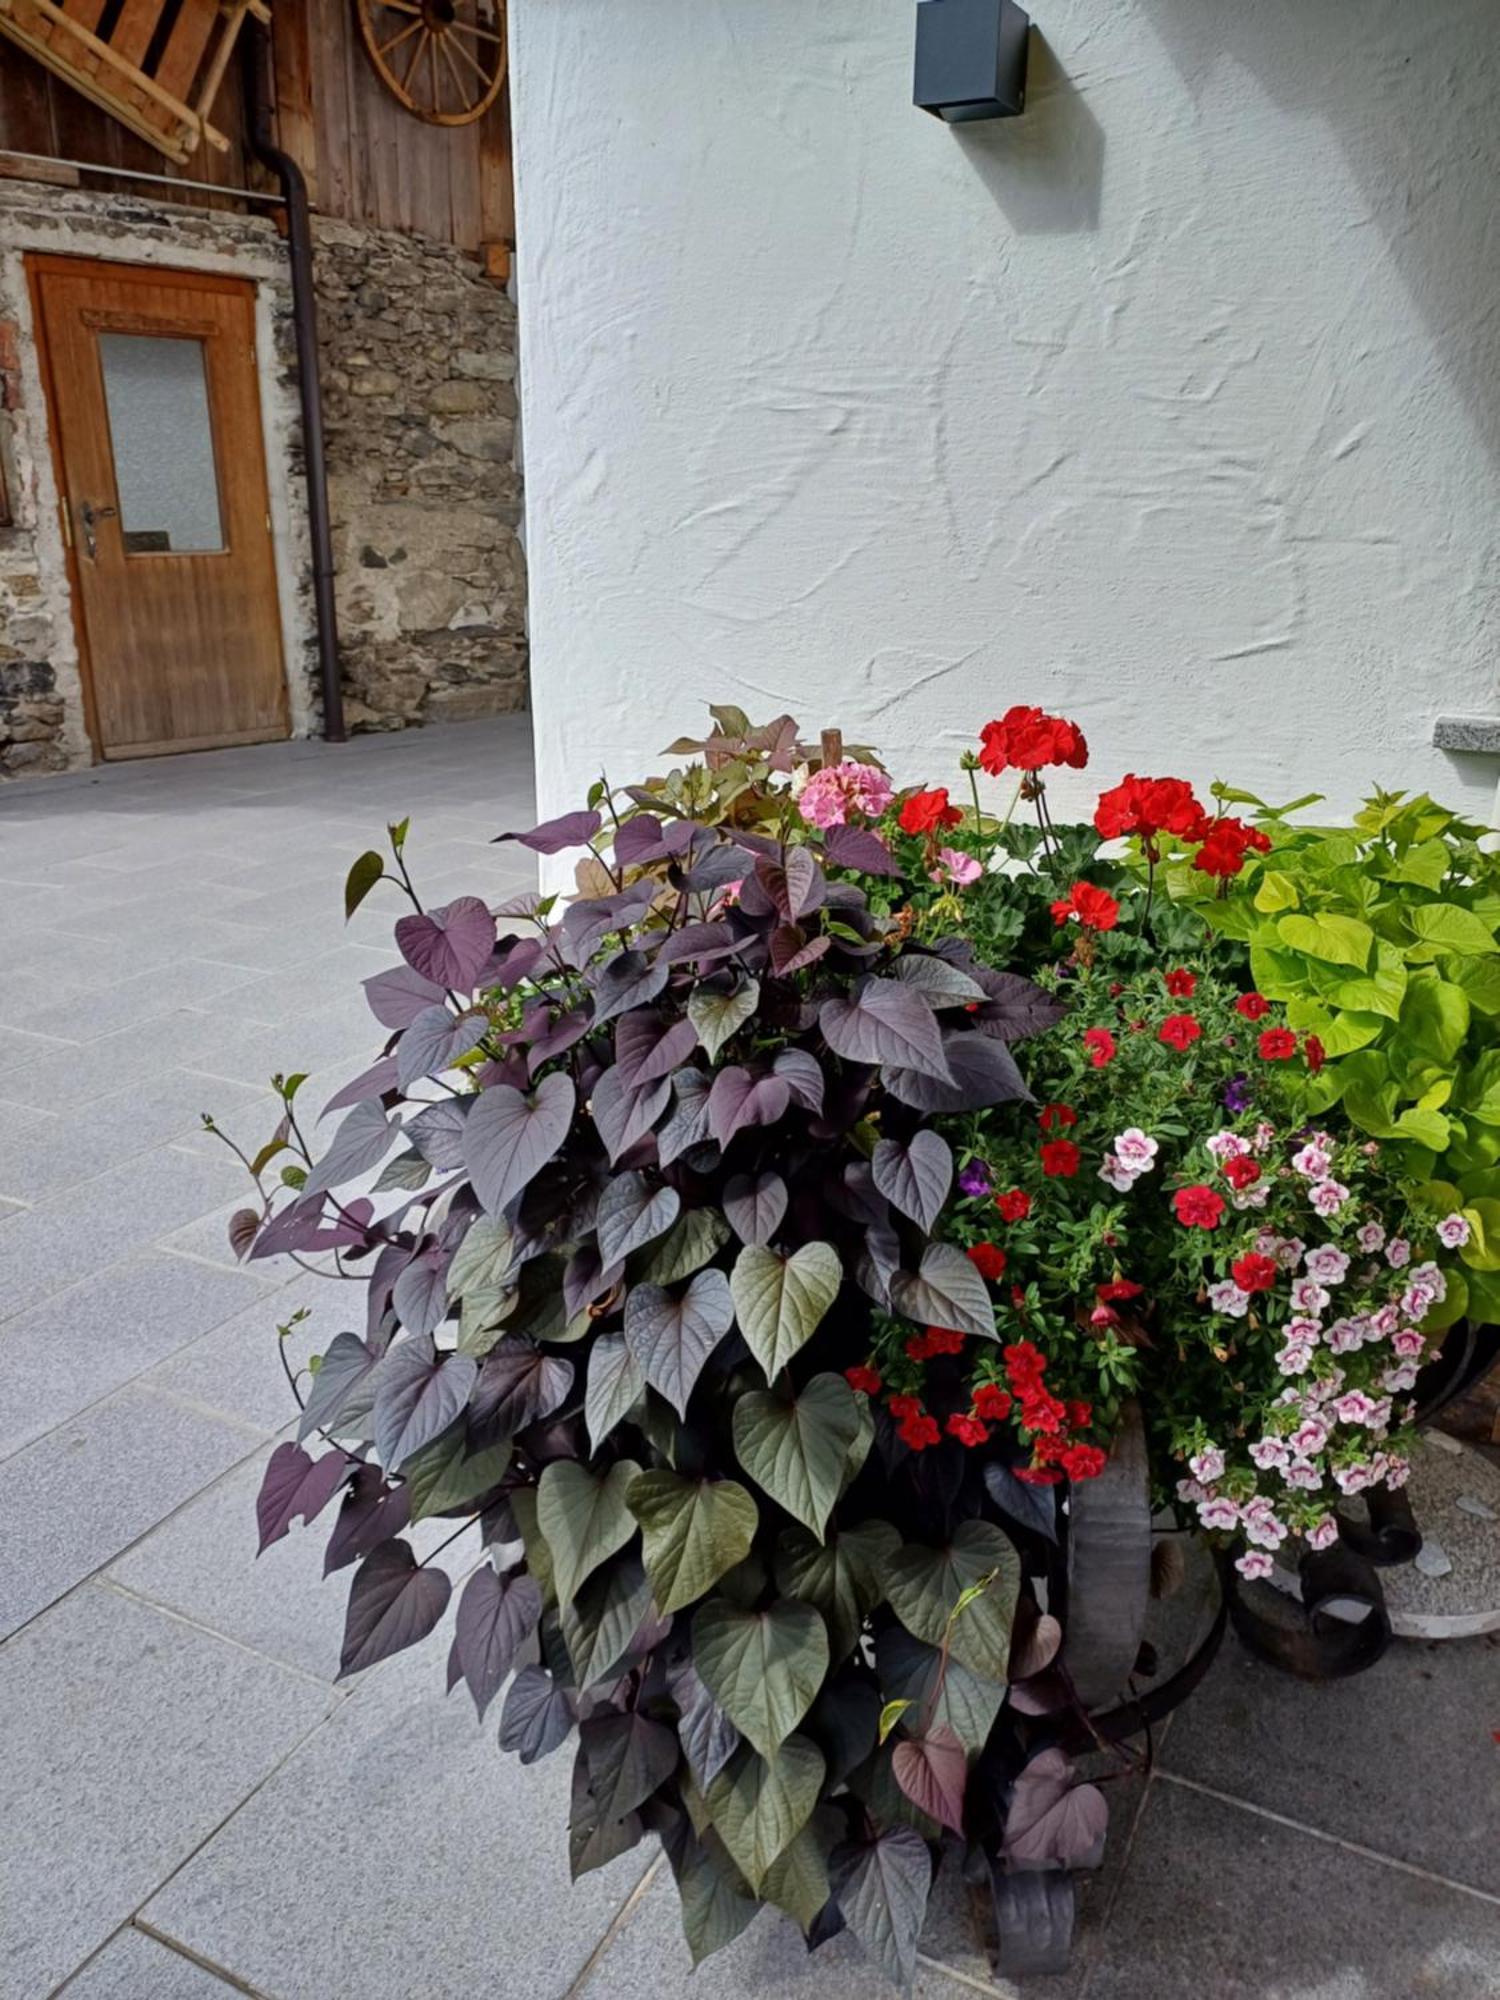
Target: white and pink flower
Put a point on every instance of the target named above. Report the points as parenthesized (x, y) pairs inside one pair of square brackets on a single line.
[(1220, 1512), (1227, 1298), (1371, 1237), (1400, 1378), (1328, 1264), (1328, 1197), (1116, 1174), (1398, 1253), (1295, 1358), (1227, 1146), (1207, 1465), (1355, 1407), (1310, 1436), (957, 869), (1345, 1335), (1254, 1563), (1313, 1162), (1270, 1451), (1302, 1474), (1309, 1297), (1323, 1533), (1136, 1150), (1453, 1231), (1410, 1344)]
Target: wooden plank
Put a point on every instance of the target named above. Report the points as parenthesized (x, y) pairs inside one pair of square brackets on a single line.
[(85, 12), (131, 35), (497, 187), (26, 111), (185, 46), (296, 110)]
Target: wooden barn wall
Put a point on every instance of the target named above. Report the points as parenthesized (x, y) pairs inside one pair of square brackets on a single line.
[(367, 159)]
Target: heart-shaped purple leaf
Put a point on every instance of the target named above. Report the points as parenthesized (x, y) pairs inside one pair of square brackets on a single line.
[(359, 1145), (495, 1614), (625, 1113), (575, 829), (630, 980), (293, 1484), (648, 1048), (671, 1338), (933, 1771), (632, 1212), (450, 945), (855, 847), (915, 1176), (981, 1072), (755, 1206), (372, 1082), (538, 1715), (1016, 1007), (398, 996), (946, 1291), (1054, 1822), (739, 1100), (509, 1136), (885, 1022), (518, 1385), (418, 1393), (802, 1073), (392, 1604), (421, 1292)]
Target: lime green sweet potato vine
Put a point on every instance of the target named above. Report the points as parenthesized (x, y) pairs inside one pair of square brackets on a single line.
[(1380, 939)]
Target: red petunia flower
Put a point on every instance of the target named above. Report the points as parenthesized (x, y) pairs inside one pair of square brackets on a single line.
[(988, 1259), (864, 1378), (1024, 1363), (968, 1430), (1095, 909), (1181, 984), (1014, 1205), (902, 1407), (929, 812), (1242, 1171), (1080, 1415), (1042, 1411), (1315, 1053), (1277, 1045), (1113, 1292), (1100, 1044), (1149, 806), (1083, 1461), (1198, 1207), (1179, 1031), (1254, 1006), (1024, 739), (992, 1402), (1060, 1158), (1254, 1273), (919, 1432), (1054, 1116)]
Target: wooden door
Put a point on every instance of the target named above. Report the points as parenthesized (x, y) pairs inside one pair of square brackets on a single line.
[(155, 406)]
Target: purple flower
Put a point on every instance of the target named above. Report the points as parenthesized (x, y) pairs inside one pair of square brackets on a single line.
[(975, 1179), (1238, 1095)]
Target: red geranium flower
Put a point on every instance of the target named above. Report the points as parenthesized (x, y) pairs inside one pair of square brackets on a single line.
[(919, 1432), (1060, 1158), (1315, 1053), (1181, 984), (1080, 1415), (1037, 1475), (1095, 909), (988, 1260), (1149, 806), (1226, 842), (927, 812), (1015, 1205), (1083, 1461), (1254, 1006), (992, 1402), (1024, 1363), (863, 1378), (1024, 739), (902, 1407), (1277, 1045), (1198, 1207), (1100, 1044), (1054, 1115), (968, 1430), (1254, 1273), (1242, 1171), (1179, 1031)]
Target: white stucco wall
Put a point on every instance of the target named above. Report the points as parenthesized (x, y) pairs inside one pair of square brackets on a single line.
[(1174, 404)]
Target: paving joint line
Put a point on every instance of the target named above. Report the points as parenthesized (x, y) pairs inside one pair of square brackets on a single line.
[(613, 1929), (169, 1943), (144, 1598), (1334, 1840)]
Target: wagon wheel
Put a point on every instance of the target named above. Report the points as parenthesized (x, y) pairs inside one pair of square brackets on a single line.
[(443, 59)]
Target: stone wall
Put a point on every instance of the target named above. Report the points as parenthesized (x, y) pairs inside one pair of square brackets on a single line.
[(419, 363), (419, 366)]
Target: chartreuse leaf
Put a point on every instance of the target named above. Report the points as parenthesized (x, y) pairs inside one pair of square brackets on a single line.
[(1340, 1033), (1379, 991), (695, 1530), (979, 1571), (1326, 935), (1479, 1090), (1482, 1251), (584, 1519), (764, 1668), (779, 1301), (1433, 1022), (842, 1576), (890, 1715), (795, 1447), (1448, 927), (1479, 978), (760, 1804), (1276, 892), (361, 879)]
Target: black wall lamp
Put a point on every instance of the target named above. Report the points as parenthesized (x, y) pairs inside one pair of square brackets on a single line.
[(971, 59)]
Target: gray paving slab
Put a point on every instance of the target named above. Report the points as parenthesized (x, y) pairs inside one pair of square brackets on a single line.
[(78, 1496), (77, 1347), (398, 1853), (76, 1233), (126, 1737), (1219, 1901), (39, 1161), (133, 1966), (1388, 1759), (235, 1368)]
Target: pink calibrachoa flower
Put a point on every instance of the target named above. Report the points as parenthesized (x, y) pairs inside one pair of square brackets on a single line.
[(1305, 1331), (959, 869), (1324, 1386), (1398, 1253), (1345, 1335), (1402, 1377), (1303, 1475), (1432, 1278), (1328, 1264), (1227, 1298), (1410, 1344), (1219, 1512), (1308, 1296), (1397, 1471), (1227, 1145), (1355, 1478), (1114, 1170), (1384, 1321), (1295, 1358), (1454, 1232), (1310, 1436), (1355, 1407), (1312, 1162), (1418, 1299), (1207, 1465), (831, 794), (1323, 1533), (1254, 1563), (1371, 1237), (1135, 1150), (1270, 1451), (1191, 1491), (1262, 1136), (1328, 1197)]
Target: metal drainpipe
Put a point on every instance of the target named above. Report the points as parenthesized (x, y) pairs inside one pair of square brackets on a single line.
[(305, 322)]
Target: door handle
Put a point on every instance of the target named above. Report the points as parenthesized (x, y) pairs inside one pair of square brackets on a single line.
[(88, 513)]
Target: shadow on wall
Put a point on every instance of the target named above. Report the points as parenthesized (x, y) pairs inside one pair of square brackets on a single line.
[(1044, 170), (1409, 93)]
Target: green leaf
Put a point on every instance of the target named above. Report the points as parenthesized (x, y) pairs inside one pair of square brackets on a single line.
[(1448, 927), (1482, 1251), (1479, 1089), (946, 1291), (1379, 991), (843, 1577), (615, 1385), (1425, 864), (1340, 1033), (882, 1886), (538, 1555), (360, 880), (697, 1235), (719, 1016), (444, 1476), (716, 1900), (764, 1668), (1340, 940), (585, 1520), (482, 1262), (926, 1584), (695, 1530), (797, 1880), (948, 1692), (398, 833), (794, 1447), (760, 1804), (1434, 1021), (1276, 892), (1279, 974), (1479, 978), (890, 1715), (601, 1621), (780, 1300)]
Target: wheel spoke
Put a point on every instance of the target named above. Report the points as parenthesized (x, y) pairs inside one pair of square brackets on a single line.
[(411, 67), (396, 40), (474, 64), (465, 101), (400, 6), (480, 34), (437, 95)]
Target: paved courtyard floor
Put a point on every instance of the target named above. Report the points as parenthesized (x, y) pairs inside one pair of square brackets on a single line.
[(189, 1806)]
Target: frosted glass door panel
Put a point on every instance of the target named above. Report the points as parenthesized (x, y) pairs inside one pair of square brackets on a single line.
[(163, 441)]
